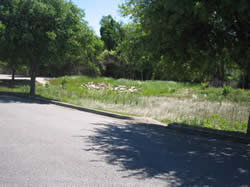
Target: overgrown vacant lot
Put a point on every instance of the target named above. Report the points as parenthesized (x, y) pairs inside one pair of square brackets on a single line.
[(166, 101)]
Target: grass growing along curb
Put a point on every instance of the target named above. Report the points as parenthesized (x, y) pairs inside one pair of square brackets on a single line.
[(21, 89), (72, 90), (212, 122), (166, 101)]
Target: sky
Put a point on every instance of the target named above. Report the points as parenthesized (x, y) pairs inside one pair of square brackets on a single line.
[(96, 9)]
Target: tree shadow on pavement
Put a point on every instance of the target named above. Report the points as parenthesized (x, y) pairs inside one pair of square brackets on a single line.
[(9, 97), (14, 84), (150, 151)]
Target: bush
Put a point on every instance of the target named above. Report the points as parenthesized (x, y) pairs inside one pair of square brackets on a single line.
[(204, 86), (227, 90), (63, 82)]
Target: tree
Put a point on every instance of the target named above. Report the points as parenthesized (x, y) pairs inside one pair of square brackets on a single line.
[(90, 56), (236, 18), (248, 129), (196, 34), (44, 31), (82, 58), (198, 43), (10, 36), (111, 32), (135, 59)]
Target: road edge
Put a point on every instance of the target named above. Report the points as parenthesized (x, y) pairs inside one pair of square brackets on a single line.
[(67, 105), (243, 139)]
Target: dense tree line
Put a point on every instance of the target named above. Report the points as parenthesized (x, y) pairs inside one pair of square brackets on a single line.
[(187, 40), (182, 40), (49, 37)]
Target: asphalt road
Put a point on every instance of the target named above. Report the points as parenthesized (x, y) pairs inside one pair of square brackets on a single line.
[(48, 145)]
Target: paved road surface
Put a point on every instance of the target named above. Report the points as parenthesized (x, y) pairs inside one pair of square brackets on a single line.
[(47, 145)]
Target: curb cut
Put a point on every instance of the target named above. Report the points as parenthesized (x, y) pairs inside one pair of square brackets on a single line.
[(239, 138)]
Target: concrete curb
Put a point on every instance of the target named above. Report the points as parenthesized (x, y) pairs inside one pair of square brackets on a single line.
[(234, 137), (67, 105), (108, 114)]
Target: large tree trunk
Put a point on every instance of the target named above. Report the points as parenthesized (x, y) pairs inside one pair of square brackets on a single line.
[(248, 76), (222, 73), (13, 74), (32, 80)]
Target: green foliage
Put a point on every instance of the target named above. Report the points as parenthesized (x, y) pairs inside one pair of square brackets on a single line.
[(227, 90), (216, 32), (74, 86), (204, 86), (152, 90), (3, 64), (173, 100), (144, 88), (63, 82), (84, 59), (159, 88), (216, 122), (50, 35), (135, 60), (2, 28), (223, 94), (111, 32)]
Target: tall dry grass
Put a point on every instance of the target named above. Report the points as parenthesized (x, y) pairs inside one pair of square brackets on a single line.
[(179, 110)]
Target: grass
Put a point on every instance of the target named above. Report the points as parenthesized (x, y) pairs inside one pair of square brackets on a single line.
[(74, 84), (166, 101), (16, 86)]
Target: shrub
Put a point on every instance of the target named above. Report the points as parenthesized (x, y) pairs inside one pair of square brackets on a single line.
[(204, 86), (227, 90), (63, 82)]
